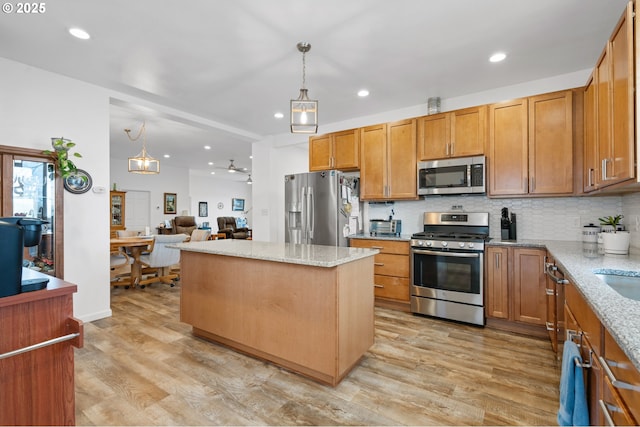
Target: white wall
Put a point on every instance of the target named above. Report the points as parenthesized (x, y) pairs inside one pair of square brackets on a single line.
[(170, 180), (36, 105), (215, 190)]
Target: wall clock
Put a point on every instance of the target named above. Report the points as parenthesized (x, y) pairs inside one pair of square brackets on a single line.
[(78, 183), (220, 205)]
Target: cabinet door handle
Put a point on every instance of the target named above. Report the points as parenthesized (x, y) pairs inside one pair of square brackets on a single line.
[(605, 411), (590, 177), (533, 184), (452, 148), (604, 169), (446, 149), (497, 260), (377, 247), (550, 292), (375, 285), (549, 326), (379, 264), (614, 381)]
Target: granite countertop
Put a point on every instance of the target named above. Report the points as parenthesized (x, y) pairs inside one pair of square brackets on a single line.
[(402, 237), (312, 255), (578, 261)]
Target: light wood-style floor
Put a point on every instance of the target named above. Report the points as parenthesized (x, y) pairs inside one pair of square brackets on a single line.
[(143, 367)]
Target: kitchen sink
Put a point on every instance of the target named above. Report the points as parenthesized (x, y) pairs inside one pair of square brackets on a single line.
[(626, 283)]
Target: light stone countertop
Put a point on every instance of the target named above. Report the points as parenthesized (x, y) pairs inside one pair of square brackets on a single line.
[(620, 315), (402, 237), (312, 255)]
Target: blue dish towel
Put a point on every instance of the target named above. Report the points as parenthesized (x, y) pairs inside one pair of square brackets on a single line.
[(573, 409)]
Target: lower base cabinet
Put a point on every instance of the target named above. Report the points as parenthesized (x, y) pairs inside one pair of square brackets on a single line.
[(515, 289), (391, 270)]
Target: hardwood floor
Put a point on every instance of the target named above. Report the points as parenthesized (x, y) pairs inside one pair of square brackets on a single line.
[(143, 367)]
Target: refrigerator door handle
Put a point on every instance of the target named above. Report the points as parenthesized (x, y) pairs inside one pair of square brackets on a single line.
[(303, 198), (310, 214)]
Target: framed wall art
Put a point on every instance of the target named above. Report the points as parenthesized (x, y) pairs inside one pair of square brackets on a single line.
[(203, 209), (237, 204), (170, 203)]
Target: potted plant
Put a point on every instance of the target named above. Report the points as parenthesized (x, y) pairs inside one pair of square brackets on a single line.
[(60, 155), (614, 241)]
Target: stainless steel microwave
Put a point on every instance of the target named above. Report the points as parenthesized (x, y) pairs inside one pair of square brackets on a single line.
[(464, 175)]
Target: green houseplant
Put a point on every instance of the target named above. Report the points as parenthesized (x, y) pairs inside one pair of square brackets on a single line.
[(613, 221), (61, 154)]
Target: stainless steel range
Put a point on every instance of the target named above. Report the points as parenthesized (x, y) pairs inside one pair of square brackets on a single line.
[(447, 262)]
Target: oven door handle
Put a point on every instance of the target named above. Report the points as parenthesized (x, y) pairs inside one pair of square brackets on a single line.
[(446, 253)]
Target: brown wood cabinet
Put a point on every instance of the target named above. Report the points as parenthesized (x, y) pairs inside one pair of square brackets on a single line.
[(585, 329), (531, 146), (621, 389), (497, 282), (338, 150), (388, 161), (609, 147), (515, 289), (116, 211), (37, 386), (390, 268), (453, 134)]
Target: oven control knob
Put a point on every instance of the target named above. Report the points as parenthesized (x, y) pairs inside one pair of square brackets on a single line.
[(429, 243), (420, 243), (471, 245), (444, 244), (461, 244)]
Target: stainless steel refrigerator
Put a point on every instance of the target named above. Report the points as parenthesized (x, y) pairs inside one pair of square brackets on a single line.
[(317, 208)]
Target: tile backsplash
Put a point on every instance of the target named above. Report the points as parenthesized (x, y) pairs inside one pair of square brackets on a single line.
[(557, 218)]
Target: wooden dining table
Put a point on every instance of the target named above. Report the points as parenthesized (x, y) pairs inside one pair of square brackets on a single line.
[(134, 247)]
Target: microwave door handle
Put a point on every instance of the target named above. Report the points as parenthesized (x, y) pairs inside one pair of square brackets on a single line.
[(449, 254)]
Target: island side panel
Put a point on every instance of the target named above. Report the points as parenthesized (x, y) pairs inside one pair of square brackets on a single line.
[(284, 310), (355, 312)]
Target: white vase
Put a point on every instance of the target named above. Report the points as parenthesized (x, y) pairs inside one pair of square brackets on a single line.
[(616, 243)]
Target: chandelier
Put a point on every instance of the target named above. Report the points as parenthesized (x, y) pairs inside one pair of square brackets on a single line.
[(304, 111), (143, 163)]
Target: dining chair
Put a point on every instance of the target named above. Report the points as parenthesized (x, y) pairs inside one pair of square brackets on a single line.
[(199, 235), (157, 264), (120, 269)]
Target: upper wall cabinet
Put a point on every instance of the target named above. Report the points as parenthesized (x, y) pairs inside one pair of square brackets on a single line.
[(609, 152), (454, 134), (531, 146), (338, 150), (388, 163)]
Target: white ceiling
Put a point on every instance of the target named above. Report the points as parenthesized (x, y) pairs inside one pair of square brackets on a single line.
[(220, 69)]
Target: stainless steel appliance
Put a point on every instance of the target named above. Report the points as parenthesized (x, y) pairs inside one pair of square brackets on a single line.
[(447, 266), (317, 208), (463, 175), (384, 227)]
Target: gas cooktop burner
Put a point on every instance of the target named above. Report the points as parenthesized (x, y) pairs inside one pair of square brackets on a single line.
[(450, 236)]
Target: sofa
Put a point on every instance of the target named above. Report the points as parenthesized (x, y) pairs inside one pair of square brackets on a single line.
[(227, 225)]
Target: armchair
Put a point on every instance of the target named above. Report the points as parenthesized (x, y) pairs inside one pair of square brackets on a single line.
[(227, 225), (184, 225), (160, 260)]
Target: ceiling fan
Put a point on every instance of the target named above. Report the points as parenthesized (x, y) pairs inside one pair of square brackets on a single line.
[(233, 168)]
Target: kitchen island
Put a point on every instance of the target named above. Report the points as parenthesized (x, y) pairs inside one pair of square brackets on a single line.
[(307, 308)]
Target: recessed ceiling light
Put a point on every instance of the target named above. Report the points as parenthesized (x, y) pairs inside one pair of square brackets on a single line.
[(497, 57), (362, 93), (207, 147), (278, 115), (210, 163), (251, 157), (166, 156), (79, 33), (213, 173)]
